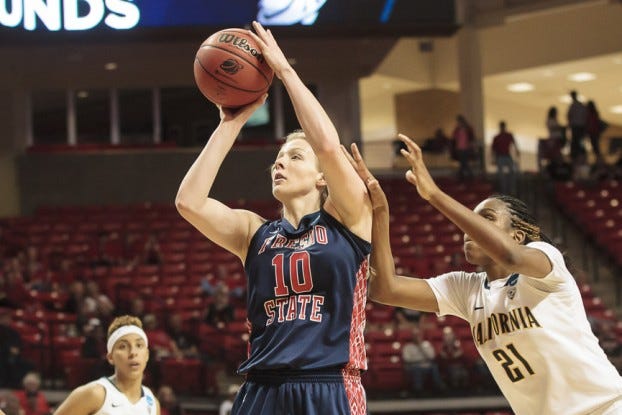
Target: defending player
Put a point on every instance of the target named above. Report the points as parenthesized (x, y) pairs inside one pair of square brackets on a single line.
[(122, 393), (525, 309), (306, 271)]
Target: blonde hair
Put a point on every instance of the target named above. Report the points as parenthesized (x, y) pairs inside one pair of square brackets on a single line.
[(124, 321)]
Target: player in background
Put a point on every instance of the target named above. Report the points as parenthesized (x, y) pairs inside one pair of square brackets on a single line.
[(122, 393), (306, 271), (525, 309)]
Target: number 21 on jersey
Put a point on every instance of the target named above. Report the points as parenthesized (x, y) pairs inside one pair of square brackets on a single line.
[(513, 362)]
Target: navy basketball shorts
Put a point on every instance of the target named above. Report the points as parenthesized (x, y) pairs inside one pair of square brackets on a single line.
[(303, 392)]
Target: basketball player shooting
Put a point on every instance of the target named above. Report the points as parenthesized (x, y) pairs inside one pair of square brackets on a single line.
[(306, 271)]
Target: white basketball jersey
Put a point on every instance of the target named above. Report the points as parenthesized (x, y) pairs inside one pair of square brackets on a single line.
[(535, 338), (116, 403)]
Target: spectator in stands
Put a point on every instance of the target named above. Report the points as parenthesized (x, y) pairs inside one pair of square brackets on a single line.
[(97, 304), (419, 359), (160, 343), (406, 318), (319, 335), (169, 405), (31, 399), (33, 266), (208, 284), (76, 298), (13, 366), (13, 286), (550, 149), (94, 347), (557, 132), (123, 393), (185, 341), (151, 254), (524, 274), (451, 360), (503, 145), (594, 127), (577, 118), (220, 311), (463, 147), (137, 307), (438, 144)]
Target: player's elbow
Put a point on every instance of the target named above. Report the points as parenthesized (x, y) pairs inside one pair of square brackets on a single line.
[(180, 204), (328, 146), (381, 291), (183, 205)]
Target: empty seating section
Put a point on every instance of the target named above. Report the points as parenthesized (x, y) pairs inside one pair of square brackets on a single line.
[(596, 208), (107, 244)]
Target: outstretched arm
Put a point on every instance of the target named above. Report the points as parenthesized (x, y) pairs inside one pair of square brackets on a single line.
[(229, 228), (385, 286), (498, 245), (346, 191)]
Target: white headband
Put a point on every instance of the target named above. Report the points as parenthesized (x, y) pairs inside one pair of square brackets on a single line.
[(122, 331)]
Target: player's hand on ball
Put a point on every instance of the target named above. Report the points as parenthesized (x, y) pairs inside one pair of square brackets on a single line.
[(418, 174), (243, 113), (270, 49)]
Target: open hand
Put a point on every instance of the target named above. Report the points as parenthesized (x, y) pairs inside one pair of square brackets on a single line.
[(418, 174)]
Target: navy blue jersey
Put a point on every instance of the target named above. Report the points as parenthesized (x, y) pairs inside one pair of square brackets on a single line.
[(307, 289)]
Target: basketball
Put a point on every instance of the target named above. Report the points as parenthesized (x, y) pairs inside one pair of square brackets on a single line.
[(229, 69)]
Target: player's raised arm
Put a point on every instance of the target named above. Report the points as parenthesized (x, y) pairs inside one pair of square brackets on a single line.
[(347, 195), (229, 228), (385, 286), (508, 251)]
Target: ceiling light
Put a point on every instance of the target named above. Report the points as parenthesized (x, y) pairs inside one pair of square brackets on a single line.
[(616, 109), (110, 66), (520, 87), (582, 77)]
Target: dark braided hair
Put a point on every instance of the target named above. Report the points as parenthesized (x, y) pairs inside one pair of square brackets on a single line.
[(523, 219)]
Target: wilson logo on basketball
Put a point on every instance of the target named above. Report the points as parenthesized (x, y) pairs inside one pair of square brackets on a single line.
[(240, 43), (231, 66)]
